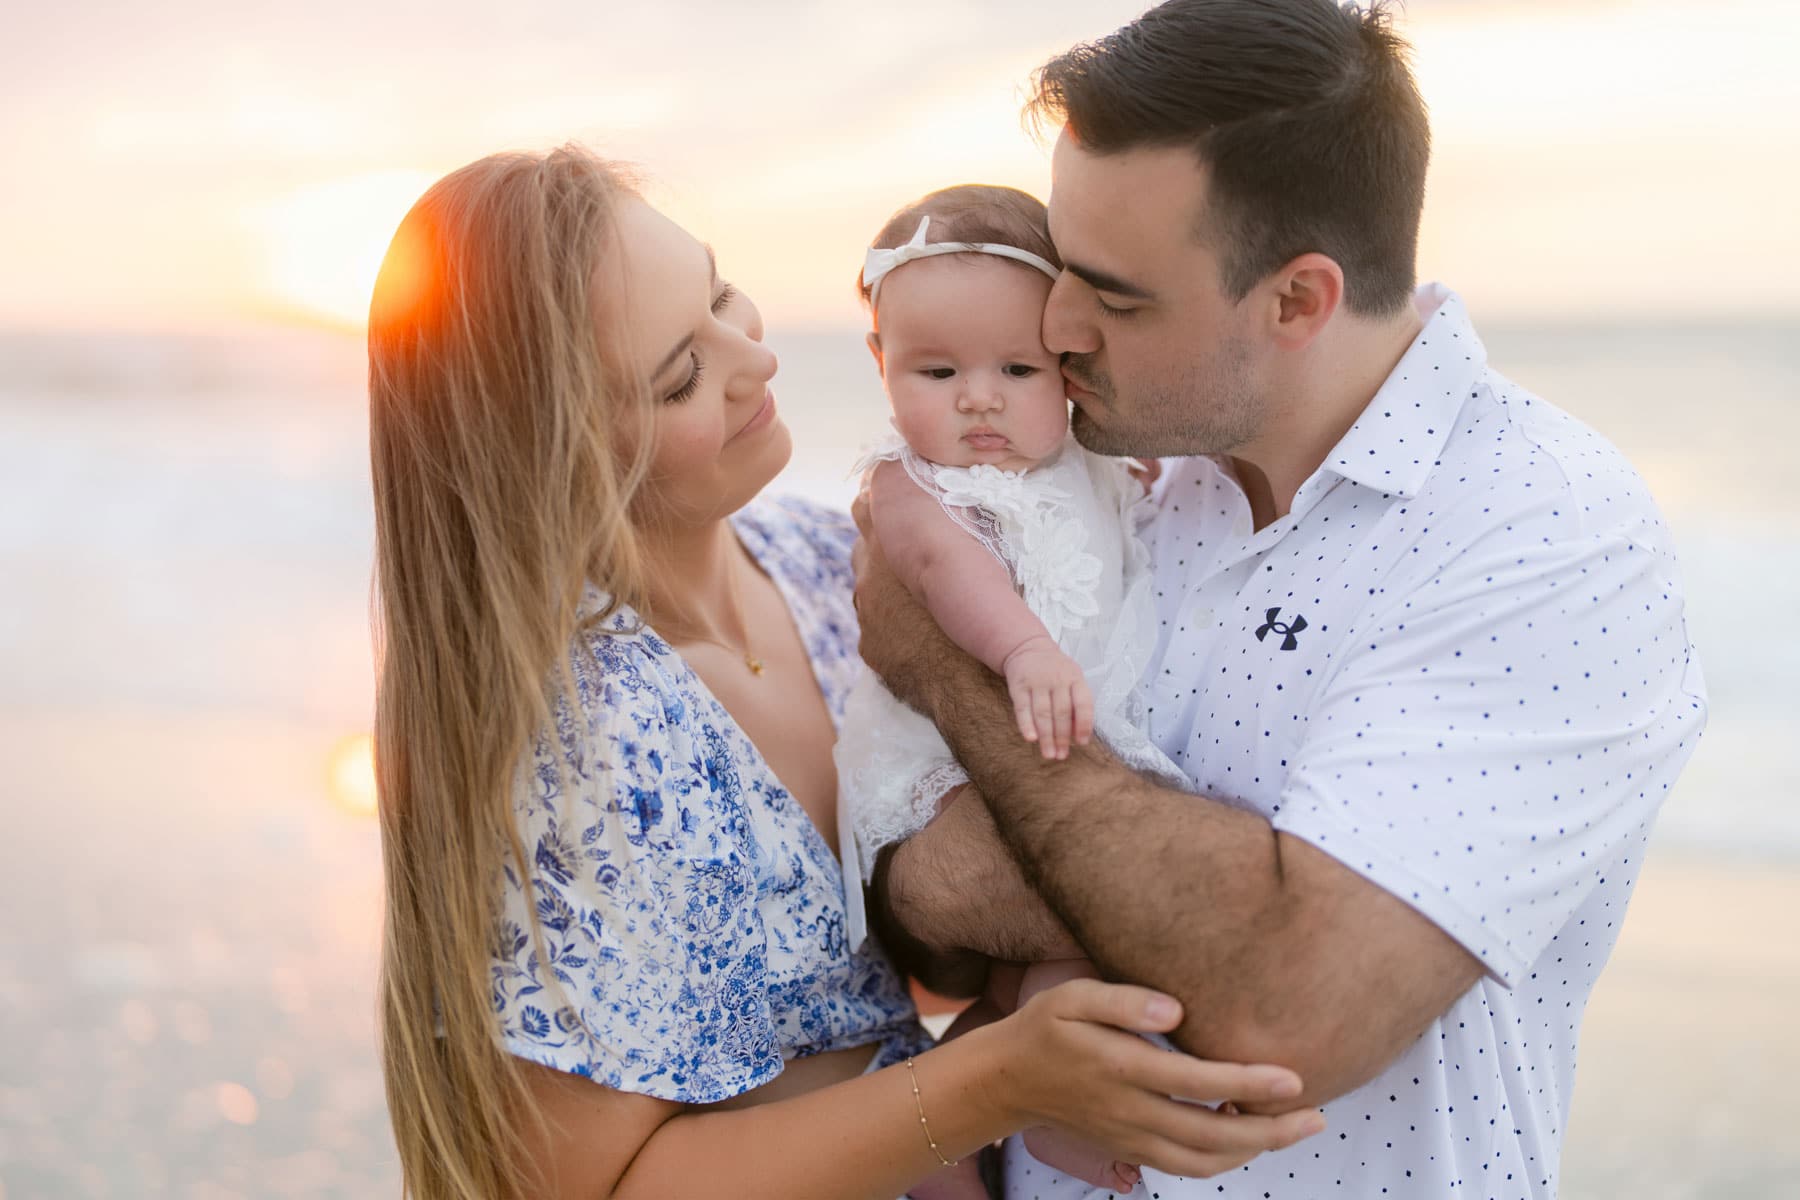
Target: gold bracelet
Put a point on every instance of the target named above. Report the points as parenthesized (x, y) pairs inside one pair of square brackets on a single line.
[(920, 1105)]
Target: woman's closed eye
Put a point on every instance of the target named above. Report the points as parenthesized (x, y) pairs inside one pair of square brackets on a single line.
[(720, 303)]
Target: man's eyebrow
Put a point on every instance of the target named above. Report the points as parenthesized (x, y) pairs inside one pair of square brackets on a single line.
[(1100, 281), (712, 267)]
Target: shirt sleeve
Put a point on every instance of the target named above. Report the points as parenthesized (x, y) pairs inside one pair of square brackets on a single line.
[(653, 973), (1495, 739)]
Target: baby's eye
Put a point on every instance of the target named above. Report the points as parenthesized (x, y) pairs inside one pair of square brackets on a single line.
[(939, 372), (1020, 370)]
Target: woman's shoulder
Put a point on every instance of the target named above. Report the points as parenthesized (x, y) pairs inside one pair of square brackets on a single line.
[(810, 541)]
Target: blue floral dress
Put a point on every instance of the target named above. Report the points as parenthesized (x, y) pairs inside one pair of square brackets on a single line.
[(692, 912)]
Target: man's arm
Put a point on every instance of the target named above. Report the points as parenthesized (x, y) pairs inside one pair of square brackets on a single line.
[(1278, 952), (963, 874)]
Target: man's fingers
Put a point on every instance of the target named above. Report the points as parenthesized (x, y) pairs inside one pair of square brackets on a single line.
[(859, 512)]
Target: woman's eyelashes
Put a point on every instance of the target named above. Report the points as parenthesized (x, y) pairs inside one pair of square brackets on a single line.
[(692, 385), (726, 295)]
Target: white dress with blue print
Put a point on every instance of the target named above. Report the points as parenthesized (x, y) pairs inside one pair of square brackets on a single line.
[(692, 912)]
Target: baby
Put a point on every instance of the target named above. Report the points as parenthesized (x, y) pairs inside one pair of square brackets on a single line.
[(1019, 542)]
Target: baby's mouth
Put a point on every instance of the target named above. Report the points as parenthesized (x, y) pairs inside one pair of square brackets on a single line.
[(983, 437)]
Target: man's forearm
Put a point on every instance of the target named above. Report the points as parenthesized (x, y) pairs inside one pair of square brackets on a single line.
[(1205, 901), (1278, 952), (952, 897)]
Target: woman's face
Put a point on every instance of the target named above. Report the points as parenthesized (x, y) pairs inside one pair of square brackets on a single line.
[(698, 342)]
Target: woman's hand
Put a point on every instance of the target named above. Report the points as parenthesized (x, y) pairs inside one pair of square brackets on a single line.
[(1073, 1060)]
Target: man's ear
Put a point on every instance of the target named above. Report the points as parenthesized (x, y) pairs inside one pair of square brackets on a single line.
[(874, 341), (1308, 291)]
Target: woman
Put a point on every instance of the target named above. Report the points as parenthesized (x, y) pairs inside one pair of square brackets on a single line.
[(614, 962)]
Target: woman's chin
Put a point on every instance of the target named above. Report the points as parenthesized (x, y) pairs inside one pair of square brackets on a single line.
[(765, 463)]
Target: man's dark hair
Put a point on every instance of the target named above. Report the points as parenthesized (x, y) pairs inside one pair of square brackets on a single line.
[(1304, 113)]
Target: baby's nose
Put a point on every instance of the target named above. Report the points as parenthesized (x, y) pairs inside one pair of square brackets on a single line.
[(980, 396)]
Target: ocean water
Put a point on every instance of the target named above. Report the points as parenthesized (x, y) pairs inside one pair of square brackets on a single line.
[(185, 540)]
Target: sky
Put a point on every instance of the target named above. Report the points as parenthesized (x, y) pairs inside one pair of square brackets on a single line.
[(201, 162)]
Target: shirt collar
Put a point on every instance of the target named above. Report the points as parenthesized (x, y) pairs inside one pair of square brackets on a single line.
[(1395, 442)]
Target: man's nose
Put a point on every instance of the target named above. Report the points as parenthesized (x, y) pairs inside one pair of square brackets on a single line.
[(1067, 330)]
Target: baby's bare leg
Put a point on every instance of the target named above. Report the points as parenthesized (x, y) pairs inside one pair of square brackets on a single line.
[(1067, 1153)]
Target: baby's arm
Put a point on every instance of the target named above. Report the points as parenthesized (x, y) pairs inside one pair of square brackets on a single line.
[(970, 594)]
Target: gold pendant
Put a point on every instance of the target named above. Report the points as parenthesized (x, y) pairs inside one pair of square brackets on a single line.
[(754, 663)]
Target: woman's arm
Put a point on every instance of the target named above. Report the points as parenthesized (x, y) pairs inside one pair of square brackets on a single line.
[(1065, 1058)]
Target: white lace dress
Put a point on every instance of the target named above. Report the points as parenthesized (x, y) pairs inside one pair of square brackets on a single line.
[(1067, 532)]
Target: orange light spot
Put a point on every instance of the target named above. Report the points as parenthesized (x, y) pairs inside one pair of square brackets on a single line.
[(236, 1103), (352, 774)]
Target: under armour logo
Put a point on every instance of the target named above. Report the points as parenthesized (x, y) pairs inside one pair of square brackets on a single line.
[(1287, 629)]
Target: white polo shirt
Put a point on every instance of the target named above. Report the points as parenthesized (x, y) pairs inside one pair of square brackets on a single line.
[(1460, 666)]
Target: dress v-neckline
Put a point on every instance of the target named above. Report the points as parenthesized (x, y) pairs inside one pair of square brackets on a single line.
[(785, 800)]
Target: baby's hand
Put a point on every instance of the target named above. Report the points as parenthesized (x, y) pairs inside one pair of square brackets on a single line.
[(1050, 696)]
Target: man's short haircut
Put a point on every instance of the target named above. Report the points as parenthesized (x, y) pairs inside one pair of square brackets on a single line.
[(1304, 113), (973, 212)]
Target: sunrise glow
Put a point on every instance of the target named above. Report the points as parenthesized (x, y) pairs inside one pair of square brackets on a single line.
[(351, 771), (324, 243)]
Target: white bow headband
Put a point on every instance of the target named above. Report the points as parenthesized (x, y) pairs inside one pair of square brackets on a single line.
[(879, 262)]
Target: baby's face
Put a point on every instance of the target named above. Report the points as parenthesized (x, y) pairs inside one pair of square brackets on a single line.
[(964, 362)]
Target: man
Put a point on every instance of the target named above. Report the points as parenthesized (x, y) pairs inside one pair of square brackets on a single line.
[(1422, 648)]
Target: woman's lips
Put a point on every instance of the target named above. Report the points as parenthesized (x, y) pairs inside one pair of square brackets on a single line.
[(763, 416)]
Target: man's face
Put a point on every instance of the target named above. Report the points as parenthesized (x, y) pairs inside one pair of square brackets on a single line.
[(1160, 361)]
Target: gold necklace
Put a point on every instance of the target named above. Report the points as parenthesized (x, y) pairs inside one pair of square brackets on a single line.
[(749, 656), (750, 659)]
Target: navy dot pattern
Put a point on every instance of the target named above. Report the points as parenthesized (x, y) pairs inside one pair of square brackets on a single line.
[(1474, 687)]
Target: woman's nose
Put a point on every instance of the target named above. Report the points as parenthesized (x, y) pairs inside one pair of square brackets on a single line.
[(756, 365)]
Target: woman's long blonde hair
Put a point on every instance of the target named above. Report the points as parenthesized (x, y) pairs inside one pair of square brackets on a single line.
[(506, 448)]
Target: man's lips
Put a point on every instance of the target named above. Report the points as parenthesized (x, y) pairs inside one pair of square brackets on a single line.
[(1076, 389)]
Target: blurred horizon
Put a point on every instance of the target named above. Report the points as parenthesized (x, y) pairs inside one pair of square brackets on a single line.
[(1594, 160)]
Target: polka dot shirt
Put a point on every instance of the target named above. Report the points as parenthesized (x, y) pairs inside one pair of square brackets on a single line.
[(1460, 666)]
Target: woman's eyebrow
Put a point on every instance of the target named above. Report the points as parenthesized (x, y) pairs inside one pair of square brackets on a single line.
[(680, 348), (669, 358)]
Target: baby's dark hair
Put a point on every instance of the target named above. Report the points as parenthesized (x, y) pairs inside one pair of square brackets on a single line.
[(972, 212)]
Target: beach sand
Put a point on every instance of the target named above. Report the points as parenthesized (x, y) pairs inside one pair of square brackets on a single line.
[(188, 965)]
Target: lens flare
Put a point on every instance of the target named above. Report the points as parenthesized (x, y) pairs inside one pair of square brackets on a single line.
[(352, 773)]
